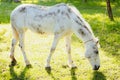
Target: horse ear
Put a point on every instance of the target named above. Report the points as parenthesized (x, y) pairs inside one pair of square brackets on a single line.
[(97, 42)]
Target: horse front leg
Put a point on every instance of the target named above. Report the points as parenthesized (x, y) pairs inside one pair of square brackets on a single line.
[(68, 48), (52, 50)]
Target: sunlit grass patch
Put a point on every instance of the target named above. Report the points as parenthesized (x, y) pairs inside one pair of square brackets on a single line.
[(29, 1), (5, 37)]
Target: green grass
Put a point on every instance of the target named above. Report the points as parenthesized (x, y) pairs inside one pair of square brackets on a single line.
[(38, 47), (37, 50)]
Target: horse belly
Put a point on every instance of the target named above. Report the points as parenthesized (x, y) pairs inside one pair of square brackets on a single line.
[(45, 25)]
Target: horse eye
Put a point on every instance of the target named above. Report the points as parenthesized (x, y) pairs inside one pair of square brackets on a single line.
[(96, 52)]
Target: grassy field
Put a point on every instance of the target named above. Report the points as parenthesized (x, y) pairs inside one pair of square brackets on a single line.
[(95, 13)]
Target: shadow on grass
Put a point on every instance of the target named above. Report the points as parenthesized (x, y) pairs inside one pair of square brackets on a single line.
[(14, 75), (98, 76), (73, 75), (72, 71)]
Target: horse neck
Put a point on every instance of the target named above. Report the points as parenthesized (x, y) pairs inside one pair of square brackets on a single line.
[(88, 38), (85, 35), (89, 41)]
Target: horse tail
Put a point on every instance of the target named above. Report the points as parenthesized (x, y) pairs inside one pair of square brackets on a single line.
[(15, 33)]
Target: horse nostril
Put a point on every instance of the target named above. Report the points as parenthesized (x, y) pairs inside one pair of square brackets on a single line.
[(96, 67)]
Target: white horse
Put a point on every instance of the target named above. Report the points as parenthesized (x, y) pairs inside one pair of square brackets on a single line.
[(60, 20)]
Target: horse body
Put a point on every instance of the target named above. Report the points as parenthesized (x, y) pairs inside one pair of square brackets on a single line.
[(42, 19), (60, 20)]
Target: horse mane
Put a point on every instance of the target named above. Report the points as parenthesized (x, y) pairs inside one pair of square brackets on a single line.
[(77, 13)]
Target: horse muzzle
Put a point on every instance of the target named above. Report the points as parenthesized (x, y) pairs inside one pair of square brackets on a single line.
[(96, 67)]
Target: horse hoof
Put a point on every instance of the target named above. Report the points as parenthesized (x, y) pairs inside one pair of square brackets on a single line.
[(13, 63), (29, 66), (75, 67), (48, 69)]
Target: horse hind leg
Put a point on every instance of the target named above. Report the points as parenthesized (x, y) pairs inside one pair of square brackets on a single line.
[(14, 42), (21, 45)]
